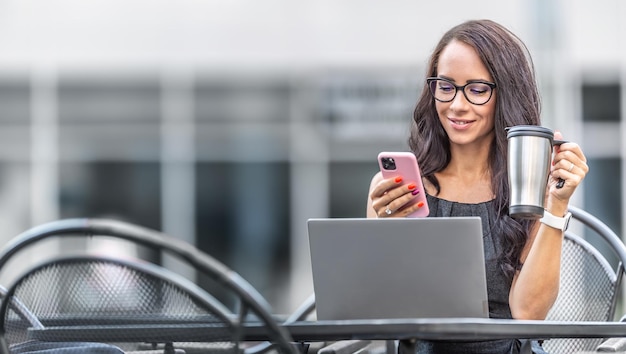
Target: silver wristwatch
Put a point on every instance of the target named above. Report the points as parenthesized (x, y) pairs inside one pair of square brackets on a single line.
[(555, 221)]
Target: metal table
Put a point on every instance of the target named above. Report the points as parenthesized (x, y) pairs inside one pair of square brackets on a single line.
[(454, 329)]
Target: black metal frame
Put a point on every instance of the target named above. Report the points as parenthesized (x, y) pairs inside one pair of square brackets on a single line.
[(250, 298)]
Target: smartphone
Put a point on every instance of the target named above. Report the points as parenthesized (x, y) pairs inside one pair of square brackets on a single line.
[(394, 164)]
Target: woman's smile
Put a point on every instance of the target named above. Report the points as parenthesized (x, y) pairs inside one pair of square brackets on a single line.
[(460, 123)]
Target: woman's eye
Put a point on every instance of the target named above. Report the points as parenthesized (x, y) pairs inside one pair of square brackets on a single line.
[(478, 90), (446, 88)]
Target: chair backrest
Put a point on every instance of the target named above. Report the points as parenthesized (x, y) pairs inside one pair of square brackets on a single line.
[(92, 298), (589, 287), (251, 307)]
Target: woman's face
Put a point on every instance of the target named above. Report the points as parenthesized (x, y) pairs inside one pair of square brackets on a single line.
[(465, 123)]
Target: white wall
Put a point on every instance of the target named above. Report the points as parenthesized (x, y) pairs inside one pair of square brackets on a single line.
[(280, 34)]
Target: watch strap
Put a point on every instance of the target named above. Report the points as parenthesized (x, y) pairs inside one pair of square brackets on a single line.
[(555, 221)]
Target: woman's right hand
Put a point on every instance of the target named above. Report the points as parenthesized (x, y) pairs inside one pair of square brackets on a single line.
[(391, 197)]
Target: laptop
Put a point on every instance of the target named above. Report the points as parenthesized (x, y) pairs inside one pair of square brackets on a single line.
[(398, 268)]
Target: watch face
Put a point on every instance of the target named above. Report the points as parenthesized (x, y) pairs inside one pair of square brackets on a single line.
[(567, 218)]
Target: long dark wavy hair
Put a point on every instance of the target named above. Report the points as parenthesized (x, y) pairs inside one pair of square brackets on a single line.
[(517, 102)]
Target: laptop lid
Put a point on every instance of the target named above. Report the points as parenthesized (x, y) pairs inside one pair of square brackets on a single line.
[(398, 267)]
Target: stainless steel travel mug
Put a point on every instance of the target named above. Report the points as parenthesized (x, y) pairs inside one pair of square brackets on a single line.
[(529, 158)]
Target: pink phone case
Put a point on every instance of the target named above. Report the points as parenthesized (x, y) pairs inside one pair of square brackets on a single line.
[(394, 164)]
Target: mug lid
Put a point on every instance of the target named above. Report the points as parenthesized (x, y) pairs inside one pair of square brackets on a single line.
[(529, 130)]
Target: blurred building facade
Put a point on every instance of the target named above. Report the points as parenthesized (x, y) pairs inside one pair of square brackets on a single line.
[(229, 124)]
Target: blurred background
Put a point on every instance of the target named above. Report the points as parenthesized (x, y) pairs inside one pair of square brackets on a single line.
[(230, 123)]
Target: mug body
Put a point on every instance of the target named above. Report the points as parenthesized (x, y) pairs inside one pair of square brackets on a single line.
[(529, 158)]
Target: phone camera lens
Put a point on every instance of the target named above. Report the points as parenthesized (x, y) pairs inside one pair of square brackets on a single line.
[(388, 163)]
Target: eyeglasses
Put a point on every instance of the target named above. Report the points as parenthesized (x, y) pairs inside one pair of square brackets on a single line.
[(476, 92)]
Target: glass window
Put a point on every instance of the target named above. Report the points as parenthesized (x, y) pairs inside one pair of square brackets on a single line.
[(603, 193), (243, 220), (349, 187), (126, 191), (361, 98), (601, 102), (120, 101), (16, 189), (248, 101), (15, 112), (115, 120), (129, 191), (15, 101)]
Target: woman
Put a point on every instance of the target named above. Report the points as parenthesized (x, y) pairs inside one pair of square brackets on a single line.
[(480, 81)]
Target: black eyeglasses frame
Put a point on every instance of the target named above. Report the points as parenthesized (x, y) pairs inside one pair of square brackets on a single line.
[(492, 85)]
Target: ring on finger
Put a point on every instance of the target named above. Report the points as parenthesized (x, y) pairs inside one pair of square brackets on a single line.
[(571, 168), (388, 211)]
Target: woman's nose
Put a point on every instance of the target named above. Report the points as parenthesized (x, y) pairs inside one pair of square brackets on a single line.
[(459, 102)]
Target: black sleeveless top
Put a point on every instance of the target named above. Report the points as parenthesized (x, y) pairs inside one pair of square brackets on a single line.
[(498, 284)]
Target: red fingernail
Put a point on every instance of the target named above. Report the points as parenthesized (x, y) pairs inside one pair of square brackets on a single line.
[(398, 179), (416, 192), (420, 204), (411, 186)]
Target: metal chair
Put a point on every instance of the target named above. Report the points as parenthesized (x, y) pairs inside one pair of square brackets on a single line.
[(118, 293), (305, 310), (590, 286), (79, 299)]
